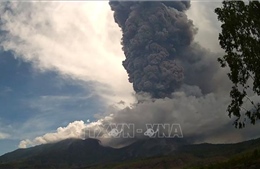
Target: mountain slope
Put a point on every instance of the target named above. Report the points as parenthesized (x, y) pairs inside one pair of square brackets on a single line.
[(69, 152), (75, 153)]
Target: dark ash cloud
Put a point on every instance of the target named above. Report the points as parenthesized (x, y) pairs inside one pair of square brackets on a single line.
[(157, 40)]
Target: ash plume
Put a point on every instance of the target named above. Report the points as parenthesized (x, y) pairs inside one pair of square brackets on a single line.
[(155, 36)]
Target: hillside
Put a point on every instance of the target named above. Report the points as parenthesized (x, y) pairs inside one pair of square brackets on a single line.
[(150, 153)]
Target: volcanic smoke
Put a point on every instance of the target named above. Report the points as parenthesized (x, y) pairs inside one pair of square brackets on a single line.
[(155, 35)]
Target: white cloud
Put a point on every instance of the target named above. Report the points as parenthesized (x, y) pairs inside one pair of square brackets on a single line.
[(204, 18), (4, 136), (77, 39), (73, 130)]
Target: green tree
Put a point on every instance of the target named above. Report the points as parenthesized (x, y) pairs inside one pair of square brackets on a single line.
[(240, 38)]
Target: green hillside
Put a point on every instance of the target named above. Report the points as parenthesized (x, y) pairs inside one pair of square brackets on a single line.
[(88, 154)]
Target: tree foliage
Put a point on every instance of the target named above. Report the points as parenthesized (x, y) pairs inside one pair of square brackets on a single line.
[(240, 38)]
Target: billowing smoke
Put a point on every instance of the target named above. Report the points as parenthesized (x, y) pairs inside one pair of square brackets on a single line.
[(157, 43)]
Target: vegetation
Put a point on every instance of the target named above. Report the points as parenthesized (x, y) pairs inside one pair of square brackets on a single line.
[(198, 156), (240, 38)]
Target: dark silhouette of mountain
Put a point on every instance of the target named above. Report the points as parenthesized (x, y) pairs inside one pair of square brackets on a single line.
[(77, 152), (89, 153)]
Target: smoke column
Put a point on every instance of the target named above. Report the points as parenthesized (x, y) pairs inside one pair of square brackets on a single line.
[(155, 35)]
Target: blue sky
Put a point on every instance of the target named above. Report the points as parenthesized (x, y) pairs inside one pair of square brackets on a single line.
[(33, 102)]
